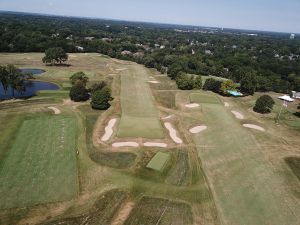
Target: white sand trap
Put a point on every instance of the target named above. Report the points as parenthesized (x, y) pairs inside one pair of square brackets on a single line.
[(125, 144), (252, 126), (172, 133), (198, 129), (193, 105), (109, 130), (153, 81), (226, 104), (55, 110), (238, 115), (121, 69), (155, 144), (167, 117)]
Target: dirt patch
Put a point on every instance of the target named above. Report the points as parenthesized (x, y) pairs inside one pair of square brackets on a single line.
[(125, 144), (226, 104), (123, 214), (167, 117), (153, 81), (173, 133), (55, 110), (252, 126), (109, 130), (193, 105), (238, 115), (122, 69), (155, 144), (197, 129)]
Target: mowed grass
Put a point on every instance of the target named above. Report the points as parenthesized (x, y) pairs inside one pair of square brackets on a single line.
[(41, 164), (139, 114), (160, 211), (204, 98), (246, 187), (159, 161)]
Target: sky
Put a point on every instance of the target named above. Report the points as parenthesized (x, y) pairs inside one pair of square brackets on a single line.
[(267, 15)]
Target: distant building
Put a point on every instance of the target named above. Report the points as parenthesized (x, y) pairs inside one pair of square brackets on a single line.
[(162, 47), (138, 55), (193, 52), (296, 95), (79, 48), (208, 52), (292, 36), (125, 52), (107, 39), (89, 38)]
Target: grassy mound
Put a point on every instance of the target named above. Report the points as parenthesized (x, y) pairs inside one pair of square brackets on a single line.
[(204, 98), (294, 164)]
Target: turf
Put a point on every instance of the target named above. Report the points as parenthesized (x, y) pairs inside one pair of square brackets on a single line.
[(139, 114), (160, 211), (204, 98), (159, 161), (41, 164), (247, 189), (294, 164)]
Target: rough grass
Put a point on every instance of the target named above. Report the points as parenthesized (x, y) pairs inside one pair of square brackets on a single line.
[(165, 98), (247, 189), (160, 211), (139, 114), (294, 164), (159, 161), (41, 164), (102, 211)]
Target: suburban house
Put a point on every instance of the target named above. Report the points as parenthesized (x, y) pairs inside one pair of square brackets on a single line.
[(296, 95), (286, 98)]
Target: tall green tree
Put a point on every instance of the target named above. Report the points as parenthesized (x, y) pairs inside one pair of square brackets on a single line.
[(55, 55), (4, 78), (249, 83), (79, 92), (264, 104), (100, 99), (81, 76)]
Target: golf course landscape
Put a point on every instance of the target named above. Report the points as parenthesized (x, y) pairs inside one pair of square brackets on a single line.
[(158, 155)]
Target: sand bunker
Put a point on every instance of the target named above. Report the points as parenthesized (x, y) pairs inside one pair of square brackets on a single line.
[(125, 144), (172, 133), (194, 105), (155, 144), (167, 117), (226, 104), (252, 126), (153, 82), (109, 130), (238, 115), (55, 110), (198, 129)]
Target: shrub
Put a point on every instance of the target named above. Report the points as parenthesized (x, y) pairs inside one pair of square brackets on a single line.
[(79, 76), (198, 82), (184, 82), (98, 86), (227, 85), (79, 92), (212, 85), (264, 104), (101, 98)]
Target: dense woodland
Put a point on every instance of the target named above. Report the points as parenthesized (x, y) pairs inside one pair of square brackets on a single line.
[(270, 60)]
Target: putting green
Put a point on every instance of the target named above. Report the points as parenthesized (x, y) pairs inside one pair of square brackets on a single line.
[(159, 161), (204, 98), (41, 164), (139, 114)]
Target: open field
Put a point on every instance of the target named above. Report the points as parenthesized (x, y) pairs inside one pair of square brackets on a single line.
[(41, 164), (227, 174), (139, 114), (247, 190)]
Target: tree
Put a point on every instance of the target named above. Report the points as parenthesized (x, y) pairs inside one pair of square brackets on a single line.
[(4, 78), (79, 76), (185, 82), (174, 70), (249, 83), (228, 85), (198, 82), (79, 92), (55, 55), (101, 98), (264, 104), (98, 86), (212, 85)]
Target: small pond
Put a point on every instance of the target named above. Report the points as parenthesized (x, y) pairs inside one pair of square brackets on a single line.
[(31, 88), (33, 71)]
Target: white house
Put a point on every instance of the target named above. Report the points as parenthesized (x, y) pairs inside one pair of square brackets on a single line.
[(296, 95), (286, 98), (79, 48)]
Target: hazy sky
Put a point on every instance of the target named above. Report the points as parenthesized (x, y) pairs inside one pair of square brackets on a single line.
[(272, 15)]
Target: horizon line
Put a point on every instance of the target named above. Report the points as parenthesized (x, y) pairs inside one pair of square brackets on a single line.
[(149, 22)]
